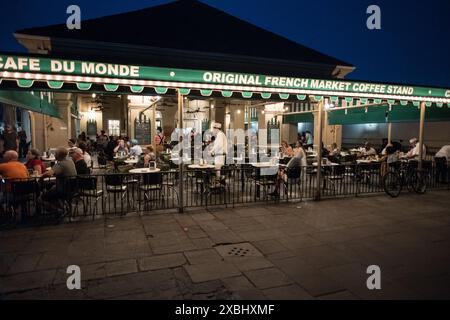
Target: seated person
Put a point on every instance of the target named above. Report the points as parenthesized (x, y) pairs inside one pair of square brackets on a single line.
[(86, 156), (368, 150), (62, 169), (335, 151), (442, 158), (136, 149), (444, 152), (293, 168), (149, 155), (286, 149), (34, 161), (12, 168), (80, 165), (413, 153), (389, 158), (121, 149), (71, 143)]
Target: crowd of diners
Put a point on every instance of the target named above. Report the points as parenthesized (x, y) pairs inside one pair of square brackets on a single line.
[(75, 158)]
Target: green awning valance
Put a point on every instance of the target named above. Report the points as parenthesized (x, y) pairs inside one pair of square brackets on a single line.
[(299, 118), (411, 113), (29, 101), (376, 114)]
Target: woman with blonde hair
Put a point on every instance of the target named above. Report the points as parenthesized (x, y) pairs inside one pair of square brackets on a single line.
[(149, 155), (286, 149)]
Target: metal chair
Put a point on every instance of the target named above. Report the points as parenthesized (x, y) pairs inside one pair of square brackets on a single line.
[(115, 186), (88, 191)]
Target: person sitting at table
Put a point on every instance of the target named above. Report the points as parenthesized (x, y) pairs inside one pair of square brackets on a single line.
[(71, 143), (34, 161), (368, 150), (442, 157), (80, 165), (86, 156), (335, 151), (149, 155), (389, 159), (121, 149), (413, 153), (63, 168), (292, 169), (12, 168), (136, 149), (286, 149)]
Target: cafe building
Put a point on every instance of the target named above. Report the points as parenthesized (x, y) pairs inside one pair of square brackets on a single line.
[(187, 65)]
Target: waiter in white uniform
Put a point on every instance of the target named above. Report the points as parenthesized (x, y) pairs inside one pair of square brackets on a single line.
[(220, 147)]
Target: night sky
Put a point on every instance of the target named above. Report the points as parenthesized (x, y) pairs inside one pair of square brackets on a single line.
[(413, 46)]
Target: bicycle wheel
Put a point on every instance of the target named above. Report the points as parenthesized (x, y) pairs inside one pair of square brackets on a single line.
[(418, 182), (392, 184)]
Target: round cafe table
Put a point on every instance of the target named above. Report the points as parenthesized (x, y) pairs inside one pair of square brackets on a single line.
[(145, 170), (131, 161), (198, 166)]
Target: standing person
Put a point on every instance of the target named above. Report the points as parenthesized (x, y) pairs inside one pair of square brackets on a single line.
[(22, 143), (102, 140), (159, 140), (220, 147), (10, 139), (109, 149), (309, 139)]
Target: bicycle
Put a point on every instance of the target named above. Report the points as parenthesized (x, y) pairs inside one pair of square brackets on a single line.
[(407, 174)]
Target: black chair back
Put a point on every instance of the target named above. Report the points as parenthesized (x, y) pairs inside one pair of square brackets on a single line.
[(114, 179), (152, 179)]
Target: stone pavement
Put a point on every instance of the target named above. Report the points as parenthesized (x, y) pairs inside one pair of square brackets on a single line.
[(307, 250)]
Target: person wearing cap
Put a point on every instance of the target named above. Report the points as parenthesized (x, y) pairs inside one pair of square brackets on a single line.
[(80, 165), (413, 153), (219, 148), (135, 150)]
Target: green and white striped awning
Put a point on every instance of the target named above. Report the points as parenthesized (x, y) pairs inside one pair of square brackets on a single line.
[(46, 73)]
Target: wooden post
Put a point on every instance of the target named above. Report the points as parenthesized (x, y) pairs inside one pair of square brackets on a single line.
[(319, 150), (421, 132), (389, 132), (180, 165)]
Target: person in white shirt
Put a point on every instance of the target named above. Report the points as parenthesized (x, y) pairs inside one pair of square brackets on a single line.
[(444, 152), (413, 153), (86, 156), (219, 148), (368, 150), (136, 149), (442, 158)]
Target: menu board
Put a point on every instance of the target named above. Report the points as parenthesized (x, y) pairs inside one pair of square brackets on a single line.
[(142, 132), (91, 128)]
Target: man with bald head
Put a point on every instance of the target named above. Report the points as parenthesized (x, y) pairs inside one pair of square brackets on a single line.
[(12, 168)]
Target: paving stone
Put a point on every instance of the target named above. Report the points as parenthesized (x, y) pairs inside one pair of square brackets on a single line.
[(88, 272), (121, 267), (161, 261), (299, 242), (269, 246), (340, 295), (237, 283), (211, 271), (203, 256), (26, 281), (203, 243), (291, 292), (24, 263), (267, 278), (249, 263)]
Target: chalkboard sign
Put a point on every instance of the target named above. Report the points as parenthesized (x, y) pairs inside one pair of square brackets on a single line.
[(142, 131), (91, 128)]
